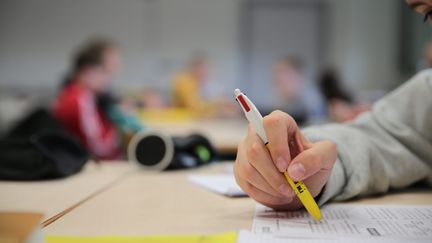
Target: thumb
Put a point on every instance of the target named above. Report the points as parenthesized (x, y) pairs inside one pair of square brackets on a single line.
[(320, 156)]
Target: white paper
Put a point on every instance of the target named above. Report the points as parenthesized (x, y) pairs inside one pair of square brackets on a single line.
[(224, 184), (340, 221), (245, 236)]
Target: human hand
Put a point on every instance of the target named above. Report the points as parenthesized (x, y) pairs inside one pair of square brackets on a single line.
[(258, 169)]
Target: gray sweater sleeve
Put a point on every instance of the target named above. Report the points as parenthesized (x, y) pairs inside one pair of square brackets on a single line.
[(388, 147)]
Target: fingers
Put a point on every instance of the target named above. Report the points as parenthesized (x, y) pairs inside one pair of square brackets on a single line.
[(259, 158), (245, 171), (321, 156), (262, 196), (251, 175), (254, 184), (284, 137), (276, 129), (248, 173)]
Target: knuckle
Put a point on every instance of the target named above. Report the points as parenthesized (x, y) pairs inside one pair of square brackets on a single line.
[(290, 119), (251, 152), (273, 119), (282, 115), (278, 113), (254, 150)]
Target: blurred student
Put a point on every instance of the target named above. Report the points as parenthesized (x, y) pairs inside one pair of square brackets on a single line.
[(341, 105), (83, 105), (295, 94), (188, 91), (188, 84), (389, 147)]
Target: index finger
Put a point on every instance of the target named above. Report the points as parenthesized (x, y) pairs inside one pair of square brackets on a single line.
[(283, 137)]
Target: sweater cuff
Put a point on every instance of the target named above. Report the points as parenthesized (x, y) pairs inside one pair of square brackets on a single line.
[(338, 179), (335, 183)]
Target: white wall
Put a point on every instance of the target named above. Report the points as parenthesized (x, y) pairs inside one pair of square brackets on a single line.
[(211, 26), (157, 36), (37, 37), (362, 42)]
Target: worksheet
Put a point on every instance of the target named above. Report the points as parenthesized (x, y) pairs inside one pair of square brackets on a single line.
[(348, 221), (245, 236)]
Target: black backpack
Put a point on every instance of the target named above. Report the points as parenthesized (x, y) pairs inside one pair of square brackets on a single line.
[(39, 148)]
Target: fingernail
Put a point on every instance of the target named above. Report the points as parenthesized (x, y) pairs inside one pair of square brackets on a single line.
[(296, 171), (285, 190), (281, 164)]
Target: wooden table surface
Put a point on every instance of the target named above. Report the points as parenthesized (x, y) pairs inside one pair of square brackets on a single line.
[(167, 203), (52, 197), (157, 203), (119, 199)]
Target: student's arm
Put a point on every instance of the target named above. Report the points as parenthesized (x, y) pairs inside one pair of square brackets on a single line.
[(388, 147), (102, 144)]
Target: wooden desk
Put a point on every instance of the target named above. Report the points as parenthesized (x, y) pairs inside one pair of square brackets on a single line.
[(157, 203), (54, 196), (167, 203)]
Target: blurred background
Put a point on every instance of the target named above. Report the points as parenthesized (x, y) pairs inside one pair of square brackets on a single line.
[(374, 44), (272, 49)]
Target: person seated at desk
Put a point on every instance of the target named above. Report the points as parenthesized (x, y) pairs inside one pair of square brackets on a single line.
[(83, 105), (188, 88), (295, 95), (188, 83), (341, 105), (389, 147)]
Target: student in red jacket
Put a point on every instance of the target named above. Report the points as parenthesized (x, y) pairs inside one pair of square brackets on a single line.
[(94, 66)]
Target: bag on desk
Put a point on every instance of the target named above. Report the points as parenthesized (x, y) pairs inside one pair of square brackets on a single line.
[(38, 148), (155, 150)]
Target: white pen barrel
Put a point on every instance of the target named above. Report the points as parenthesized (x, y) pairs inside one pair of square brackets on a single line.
[(256, 122)]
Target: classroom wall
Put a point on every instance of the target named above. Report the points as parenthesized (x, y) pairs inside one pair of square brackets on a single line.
[(187, 26), (157, 36), (363, 42), (37, 37)]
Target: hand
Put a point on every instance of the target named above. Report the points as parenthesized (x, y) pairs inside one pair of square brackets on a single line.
[(258, 168)]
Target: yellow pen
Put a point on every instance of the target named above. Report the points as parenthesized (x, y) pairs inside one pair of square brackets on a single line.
[(255, 118)]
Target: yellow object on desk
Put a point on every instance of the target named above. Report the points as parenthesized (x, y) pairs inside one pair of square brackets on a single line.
[(166, 115), (229, 237)]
